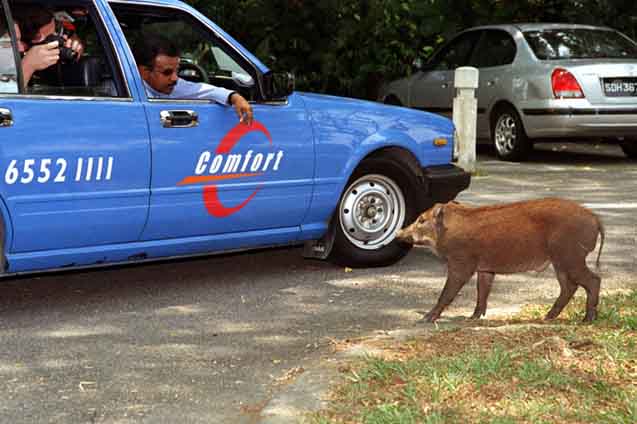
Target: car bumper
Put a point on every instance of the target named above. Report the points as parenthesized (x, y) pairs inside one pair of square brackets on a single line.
[(572, 122), (443, 183)]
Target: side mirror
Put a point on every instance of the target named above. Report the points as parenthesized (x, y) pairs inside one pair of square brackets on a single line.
[(242, 80), (278, 85)]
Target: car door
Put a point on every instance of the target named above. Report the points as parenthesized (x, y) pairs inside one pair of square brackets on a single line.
[(432, 89), (211, 174), (75, 157), (493, 57)]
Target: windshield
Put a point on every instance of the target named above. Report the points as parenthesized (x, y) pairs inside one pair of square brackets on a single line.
[(580, 43)]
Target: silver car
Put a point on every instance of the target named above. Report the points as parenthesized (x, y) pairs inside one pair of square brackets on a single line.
[(537, 82)]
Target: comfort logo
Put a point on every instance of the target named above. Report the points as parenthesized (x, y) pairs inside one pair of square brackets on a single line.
[(225, 165)]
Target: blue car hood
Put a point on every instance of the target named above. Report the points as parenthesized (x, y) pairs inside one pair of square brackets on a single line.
[(372, 117)]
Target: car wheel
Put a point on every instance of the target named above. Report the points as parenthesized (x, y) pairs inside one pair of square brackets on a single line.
[(629, 146), (508, 135), (378, 201)]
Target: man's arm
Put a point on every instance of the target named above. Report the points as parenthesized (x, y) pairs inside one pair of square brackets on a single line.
[(198, 90), (185, 89)]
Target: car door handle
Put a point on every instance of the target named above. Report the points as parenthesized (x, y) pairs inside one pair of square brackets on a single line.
[(6, 118), (490, 83), (179, 118), (445, 84)]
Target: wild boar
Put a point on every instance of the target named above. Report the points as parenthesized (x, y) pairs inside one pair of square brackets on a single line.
[(510, 238)]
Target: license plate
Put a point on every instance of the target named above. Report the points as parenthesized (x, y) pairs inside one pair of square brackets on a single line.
[(620, 87)]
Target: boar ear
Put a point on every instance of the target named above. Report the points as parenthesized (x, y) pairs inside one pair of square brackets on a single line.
[(439, 220)]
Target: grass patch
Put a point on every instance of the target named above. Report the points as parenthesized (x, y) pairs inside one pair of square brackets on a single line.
[(502, 371)]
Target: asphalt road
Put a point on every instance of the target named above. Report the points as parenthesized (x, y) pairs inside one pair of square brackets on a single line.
[(213, 340)]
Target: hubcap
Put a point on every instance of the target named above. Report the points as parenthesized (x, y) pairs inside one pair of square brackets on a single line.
[(371, 211), (506, 134)]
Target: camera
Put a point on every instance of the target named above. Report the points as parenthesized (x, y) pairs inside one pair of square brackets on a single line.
[(66, 54)]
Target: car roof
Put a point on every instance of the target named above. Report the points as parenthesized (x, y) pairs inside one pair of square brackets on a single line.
[(536, 26)]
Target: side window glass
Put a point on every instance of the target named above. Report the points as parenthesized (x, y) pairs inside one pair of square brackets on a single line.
[(497, 48), (204, 57), (457, 53), (86, 67), (8, 70)]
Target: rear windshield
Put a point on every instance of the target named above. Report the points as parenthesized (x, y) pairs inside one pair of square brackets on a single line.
[(581, 43)]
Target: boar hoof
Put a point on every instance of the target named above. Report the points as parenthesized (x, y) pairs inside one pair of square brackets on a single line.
[(551, 316), (430, 317), (590, 316), (476, 315)]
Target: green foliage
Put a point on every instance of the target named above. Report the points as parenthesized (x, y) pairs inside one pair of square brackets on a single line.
[(622, 313), (393, 414), (350, 47)]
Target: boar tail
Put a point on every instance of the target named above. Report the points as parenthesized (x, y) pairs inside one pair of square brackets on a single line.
[(602, 232)]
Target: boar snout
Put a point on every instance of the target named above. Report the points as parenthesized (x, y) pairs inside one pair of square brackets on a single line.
[(405, 236), (417, 234)]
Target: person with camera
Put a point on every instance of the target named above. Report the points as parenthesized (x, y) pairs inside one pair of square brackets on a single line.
[(158, 63), (39, 43), (36, 58)]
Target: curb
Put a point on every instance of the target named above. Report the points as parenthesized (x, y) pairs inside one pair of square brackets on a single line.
[(308, 393)]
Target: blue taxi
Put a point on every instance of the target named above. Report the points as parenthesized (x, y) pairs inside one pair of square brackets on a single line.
[(95, 171)]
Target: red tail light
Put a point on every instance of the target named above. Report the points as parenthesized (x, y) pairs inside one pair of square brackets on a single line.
[(565, 86)]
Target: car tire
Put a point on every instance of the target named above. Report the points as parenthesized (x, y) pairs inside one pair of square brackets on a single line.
[(379, 199), (508, 135), (629, 147)]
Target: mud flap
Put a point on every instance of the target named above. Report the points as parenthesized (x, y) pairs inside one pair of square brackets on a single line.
[(321, 248)]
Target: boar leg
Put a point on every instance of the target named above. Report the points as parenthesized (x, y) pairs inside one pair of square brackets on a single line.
[(485, 280), (567, 289), (574, 263), (591, 283), (457, 276)]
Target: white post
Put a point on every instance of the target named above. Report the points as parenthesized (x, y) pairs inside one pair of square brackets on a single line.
[(465, 113)]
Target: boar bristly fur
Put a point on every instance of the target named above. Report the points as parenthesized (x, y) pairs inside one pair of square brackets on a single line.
[(509, 238)]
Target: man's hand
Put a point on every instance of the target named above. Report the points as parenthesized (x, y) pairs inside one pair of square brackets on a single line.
[(242, 107), (42, 56), (38, 58), (74, 43)]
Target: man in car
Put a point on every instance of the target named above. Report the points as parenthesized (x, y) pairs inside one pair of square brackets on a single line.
[(158, 62), (34, 59), (33, 25)]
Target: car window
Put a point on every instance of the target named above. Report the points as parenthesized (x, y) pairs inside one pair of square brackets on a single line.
[(456, 53), (205, 57), (580, 43), (496, 48), (8, 69), (95, 73)]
